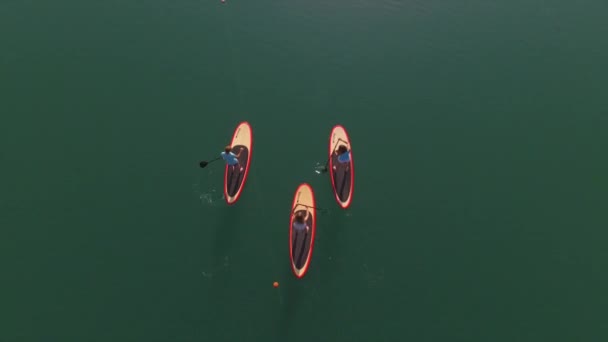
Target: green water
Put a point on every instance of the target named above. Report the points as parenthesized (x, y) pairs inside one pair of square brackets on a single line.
[(479, 134)]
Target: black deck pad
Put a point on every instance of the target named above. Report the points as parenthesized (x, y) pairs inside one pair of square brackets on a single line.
[(301, 242), (235, 175), (342, 178)]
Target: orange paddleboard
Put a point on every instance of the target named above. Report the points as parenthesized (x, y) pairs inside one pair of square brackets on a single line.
[(234, 177), (301, 243), (342, 174)]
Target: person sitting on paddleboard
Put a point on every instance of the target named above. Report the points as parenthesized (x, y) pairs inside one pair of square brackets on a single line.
[(299, 222), (231, 158), (343, 157)]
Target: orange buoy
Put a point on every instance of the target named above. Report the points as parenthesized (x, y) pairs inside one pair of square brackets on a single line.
[(275, 284)]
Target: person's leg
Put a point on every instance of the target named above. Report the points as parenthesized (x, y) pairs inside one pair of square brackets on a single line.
[(236, 166), (338, 165)]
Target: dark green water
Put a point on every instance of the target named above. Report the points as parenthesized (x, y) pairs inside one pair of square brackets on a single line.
[(479, 134)]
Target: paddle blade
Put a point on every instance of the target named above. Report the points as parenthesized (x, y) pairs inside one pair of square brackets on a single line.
[(203, 163), (319, 169)]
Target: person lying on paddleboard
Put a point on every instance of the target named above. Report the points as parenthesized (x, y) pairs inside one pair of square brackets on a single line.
[(231, 158), (299, 222), (343, 157)]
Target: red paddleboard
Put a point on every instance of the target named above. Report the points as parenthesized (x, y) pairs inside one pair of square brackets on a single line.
[(234, 177), (301, 242), (342, 174)]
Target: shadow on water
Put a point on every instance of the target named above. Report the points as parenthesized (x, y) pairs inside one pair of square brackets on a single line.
[(292, 297), (329, 249), (220, 279), (225, 232)]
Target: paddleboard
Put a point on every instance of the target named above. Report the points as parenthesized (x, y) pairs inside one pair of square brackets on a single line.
[(301, 242), (342, 175), (234, 177)]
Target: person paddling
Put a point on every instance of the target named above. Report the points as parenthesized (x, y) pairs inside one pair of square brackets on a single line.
[(343, 157), (299, 222), (231, 158)]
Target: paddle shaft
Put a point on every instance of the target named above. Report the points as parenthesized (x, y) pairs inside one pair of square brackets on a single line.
[(332, 152), (308, 206), (205, 163)]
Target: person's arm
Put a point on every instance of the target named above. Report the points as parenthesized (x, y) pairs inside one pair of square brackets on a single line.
[(238, 155)]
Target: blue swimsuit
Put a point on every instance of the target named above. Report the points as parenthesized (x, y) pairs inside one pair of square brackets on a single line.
[(344, 157), (299, 226), (230, 158)]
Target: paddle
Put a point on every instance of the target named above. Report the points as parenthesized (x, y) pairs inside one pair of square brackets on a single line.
[(205, 163), (328, 158), (308, 206)]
